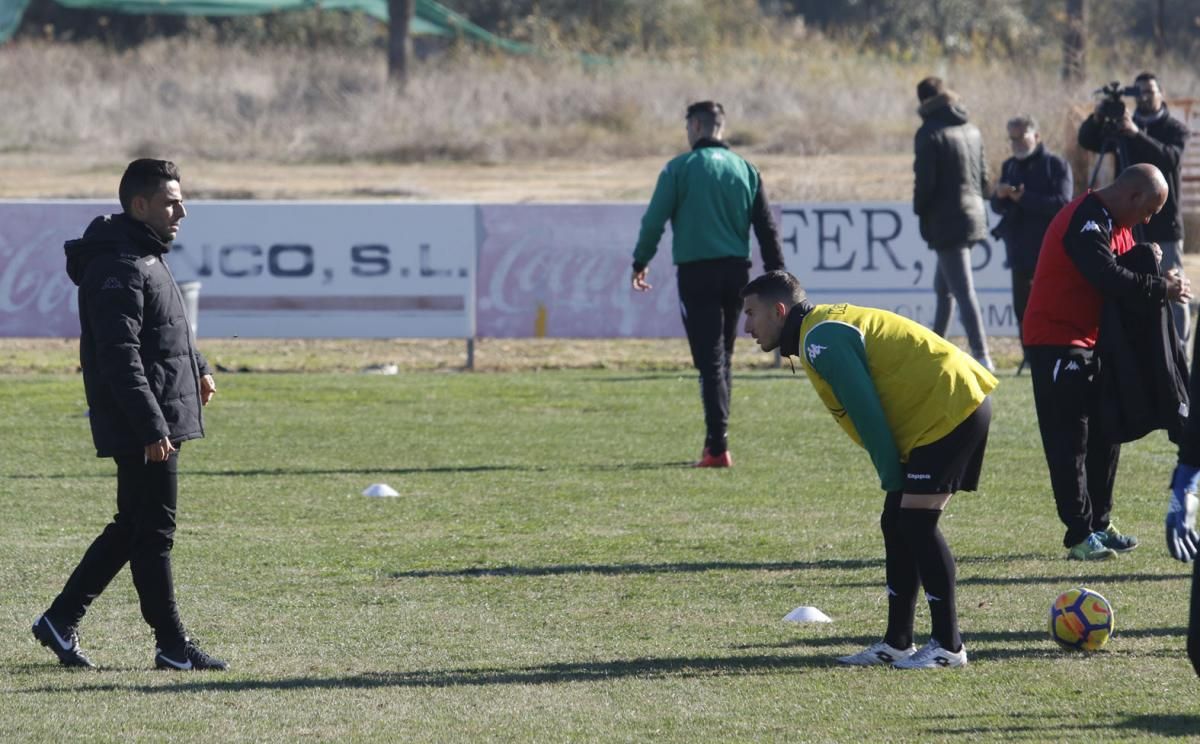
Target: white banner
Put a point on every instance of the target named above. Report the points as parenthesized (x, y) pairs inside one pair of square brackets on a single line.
[(312, 270), (871, 253), (302, 269)]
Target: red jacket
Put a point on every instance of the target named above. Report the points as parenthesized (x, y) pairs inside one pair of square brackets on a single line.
[(1076, 272)]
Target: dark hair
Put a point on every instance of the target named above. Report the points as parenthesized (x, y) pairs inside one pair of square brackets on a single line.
[(1146, 76), (710, 114), (144, 177), (930, 87), (775, 286)]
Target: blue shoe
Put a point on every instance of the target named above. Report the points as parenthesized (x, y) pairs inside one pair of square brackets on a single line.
[(1114, 540), (1091, 549)]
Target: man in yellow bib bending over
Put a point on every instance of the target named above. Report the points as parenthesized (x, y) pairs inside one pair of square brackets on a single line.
[(919, 405)]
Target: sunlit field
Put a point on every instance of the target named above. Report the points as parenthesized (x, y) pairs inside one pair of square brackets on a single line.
[(553, 571)]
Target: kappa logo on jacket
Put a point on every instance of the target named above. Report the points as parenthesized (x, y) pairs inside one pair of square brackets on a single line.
[(112, 283), (814, 351), (1090, 226)]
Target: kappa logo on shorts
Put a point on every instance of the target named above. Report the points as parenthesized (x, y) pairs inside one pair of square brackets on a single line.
[(112, 283), (920, 476), (1090, 226), (1072, 366), (814, 351)]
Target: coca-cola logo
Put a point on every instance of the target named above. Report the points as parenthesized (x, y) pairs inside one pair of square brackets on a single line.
[(576, 271), (36, 296)]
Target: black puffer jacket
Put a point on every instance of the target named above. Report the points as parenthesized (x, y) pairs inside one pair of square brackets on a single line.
[(951, 176), (141, 371)]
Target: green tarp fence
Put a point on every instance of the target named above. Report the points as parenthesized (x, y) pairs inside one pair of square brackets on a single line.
[(429, 18)]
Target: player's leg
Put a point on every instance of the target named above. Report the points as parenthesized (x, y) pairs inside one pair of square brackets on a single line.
[(734, 279), (150, 564), (903, 582), (109, 552), (700, 306), (156, 497), (1060, 383), (919, 516), (952, 463)]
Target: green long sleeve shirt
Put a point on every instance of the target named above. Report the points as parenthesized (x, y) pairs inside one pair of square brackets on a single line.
[(712, 197)]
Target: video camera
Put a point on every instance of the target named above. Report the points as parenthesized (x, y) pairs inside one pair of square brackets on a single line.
[(1112, 108)]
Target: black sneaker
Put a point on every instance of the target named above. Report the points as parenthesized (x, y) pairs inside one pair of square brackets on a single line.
[(186, 657), (64, 642)]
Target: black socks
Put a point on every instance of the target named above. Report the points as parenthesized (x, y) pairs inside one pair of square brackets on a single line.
[(936, 566), (902, 577), (917, 554)]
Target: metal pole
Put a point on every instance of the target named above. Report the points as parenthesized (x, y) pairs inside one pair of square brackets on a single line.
[(471, 354)]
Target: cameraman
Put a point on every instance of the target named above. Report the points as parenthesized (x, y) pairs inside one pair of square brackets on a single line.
[(1150, 135)]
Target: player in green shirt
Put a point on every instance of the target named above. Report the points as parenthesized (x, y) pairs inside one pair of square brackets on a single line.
[(920, 407), (712, 197)]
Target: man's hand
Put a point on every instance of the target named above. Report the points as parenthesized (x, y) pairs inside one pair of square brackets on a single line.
[(1127, 127), (1182, 539), (1156, 249), (160, 450), (208, 388), (1004, 190), (1017, 193), (1179, 289), (639, 281)]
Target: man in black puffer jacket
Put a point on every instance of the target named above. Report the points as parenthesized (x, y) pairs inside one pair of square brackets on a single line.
[(145, 385), (950, 181)]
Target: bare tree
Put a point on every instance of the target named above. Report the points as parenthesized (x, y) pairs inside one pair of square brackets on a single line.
[(1075, 42), (399, 46)]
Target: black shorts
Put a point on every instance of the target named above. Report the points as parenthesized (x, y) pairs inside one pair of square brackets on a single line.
[(952, 463)]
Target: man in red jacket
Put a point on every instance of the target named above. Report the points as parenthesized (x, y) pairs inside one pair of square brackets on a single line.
[(1076, 272)]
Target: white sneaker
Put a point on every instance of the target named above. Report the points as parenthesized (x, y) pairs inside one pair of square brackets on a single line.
[(879, 653), (932, 656)]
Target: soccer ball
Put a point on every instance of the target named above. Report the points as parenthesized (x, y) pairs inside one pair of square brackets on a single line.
[(1081, 619)]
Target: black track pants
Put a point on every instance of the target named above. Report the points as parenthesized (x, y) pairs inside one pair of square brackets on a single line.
[(141, 534), (711, 308), (1083, 465)]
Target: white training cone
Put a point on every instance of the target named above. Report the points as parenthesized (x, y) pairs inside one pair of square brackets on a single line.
[(380, 489), (807, 615)]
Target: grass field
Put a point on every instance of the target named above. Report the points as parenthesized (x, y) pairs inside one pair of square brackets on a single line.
[(552, 571)]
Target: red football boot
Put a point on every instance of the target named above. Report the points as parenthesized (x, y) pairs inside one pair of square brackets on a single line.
[(708, 460)]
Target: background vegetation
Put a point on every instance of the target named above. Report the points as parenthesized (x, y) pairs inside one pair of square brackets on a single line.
[(798, 78), (802, 95)]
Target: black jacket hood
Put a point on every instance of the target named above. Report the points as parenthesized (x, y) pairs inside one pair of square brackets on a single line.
[(114, 233), (944, 108)]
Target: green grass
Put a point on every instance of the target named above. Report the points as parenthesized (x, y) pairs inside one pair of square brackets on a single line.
[(551, 571)]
